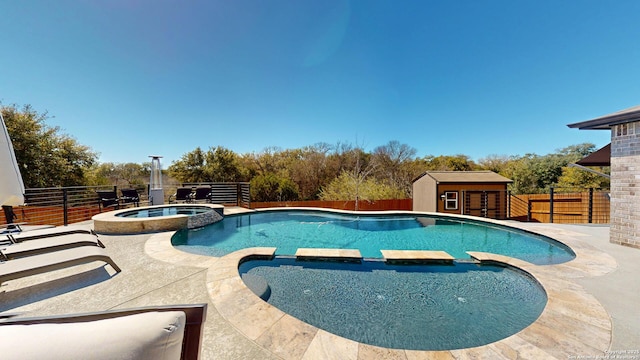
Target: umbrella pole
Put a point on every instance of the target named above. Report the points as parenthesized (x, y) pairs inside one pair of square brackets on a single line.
[(9, 215)]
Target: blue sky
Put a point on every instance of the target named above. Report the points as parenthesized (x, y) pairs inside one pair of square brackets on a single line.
[(132, 78)]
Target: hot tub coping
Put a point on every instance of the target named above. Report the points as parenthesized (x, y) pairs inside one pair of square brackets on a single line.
[(111, 223)]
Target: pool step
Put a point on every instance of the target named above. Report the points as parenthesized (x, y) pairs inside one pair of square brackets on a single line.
[(416, 256), (347, 255)]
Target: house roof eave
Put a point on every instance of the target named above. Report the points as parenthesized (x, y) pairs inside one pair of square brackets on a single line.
[(606, 122)]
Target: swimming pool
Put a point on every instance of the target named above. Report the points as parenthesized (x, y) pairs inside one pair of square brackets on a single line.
[(289, 230), (413, 307)]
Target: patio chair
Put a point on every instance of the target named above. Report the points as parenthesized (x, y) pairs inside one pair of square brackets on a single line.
[(182, 194), (108, 198), (154, 332), (56, 260), (130, 196), (49, 244), (45, 233), (202, 193)]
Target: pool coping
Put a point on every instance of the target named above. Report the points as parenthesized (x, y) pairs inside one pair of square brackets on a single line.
[(572, 322)]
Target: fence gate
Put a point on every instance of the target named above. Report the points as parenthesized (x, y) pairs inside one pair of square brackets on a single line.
[(482, 203)]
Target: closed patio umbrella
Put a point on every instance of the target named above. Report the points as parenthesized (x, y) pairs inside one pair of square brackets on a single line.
[(11, 185), (601, 157)]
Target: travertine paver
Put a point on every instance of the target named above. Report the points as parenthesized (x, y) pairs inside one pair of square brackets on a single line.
[(319, 253), (267, 327), (326, 345), (240, 325), (416, 255), (288, 337)]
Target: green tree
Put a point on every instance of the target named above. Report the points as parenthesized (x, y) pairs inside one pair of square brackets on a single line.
[(311, 168), (222, 165), (215, 165), (362, 168), (268, 161), (579, 178), (495, 163), (449, 163), (46, 156), (270, 187), (574, 153), (521, 171), (119, 174), (190, 167), (346, 187), (532, 173)]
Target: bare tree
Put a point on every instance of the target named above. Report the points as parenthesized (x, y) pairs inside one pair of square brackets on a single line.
[(363, 166), (394, 164)]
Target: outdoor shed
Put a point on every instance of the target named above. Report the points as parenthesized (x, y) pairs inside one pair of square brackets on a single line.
[(477, 193)]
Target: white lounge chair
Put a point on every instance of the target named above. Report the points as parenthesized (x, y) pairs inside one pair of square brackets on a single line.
[(44, 233), (48, 244), (158, 332), (41, 263)]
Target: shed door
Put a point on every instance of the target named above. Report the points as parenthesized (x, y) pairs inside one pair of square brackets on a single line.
[(482, 203)]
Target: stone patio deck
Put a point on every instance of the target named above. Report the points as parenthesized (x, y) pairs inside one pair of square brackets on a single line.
[(592, 307)]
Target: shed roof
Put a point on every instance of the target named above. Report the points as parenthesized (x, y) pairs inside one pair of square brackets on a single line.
[(605, 122), (465, 177)]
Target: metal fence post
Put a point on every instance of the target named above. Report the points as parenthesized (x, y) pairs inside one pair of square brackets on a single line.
[(485, 204), (65, 207), (248, 195), (590, 211), (551, 205)]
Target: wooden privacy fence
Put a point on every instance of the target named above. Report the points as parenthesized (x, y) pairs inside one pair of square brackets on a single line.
[(364, 205), (562, 207), (62, 206), (557, 206), (55, 215)]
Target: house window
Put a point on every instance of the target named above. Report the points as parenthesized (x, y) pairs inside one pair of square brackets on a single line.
[(451, 200), (625, 129)]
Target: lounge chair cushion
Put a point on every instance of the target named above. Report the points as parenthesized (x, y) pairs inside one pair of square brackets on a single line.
[(150, 335)]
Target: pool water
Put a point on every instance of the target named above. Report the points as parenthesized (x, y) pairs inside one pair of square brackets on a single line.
[(415, 307), (289, 230), (165, 211)]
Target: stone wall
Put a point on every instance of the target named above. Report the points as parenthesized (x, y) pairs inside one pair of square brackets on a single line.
[(625, 184)]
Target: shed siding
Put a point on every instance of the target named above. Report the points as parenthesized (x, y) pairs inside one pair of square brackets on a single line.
[(460, 187), (429, 189), (424, 194)]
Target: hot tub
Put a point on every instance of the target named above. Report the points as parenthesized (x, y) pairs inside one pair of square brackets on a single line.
[(157, 218)]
